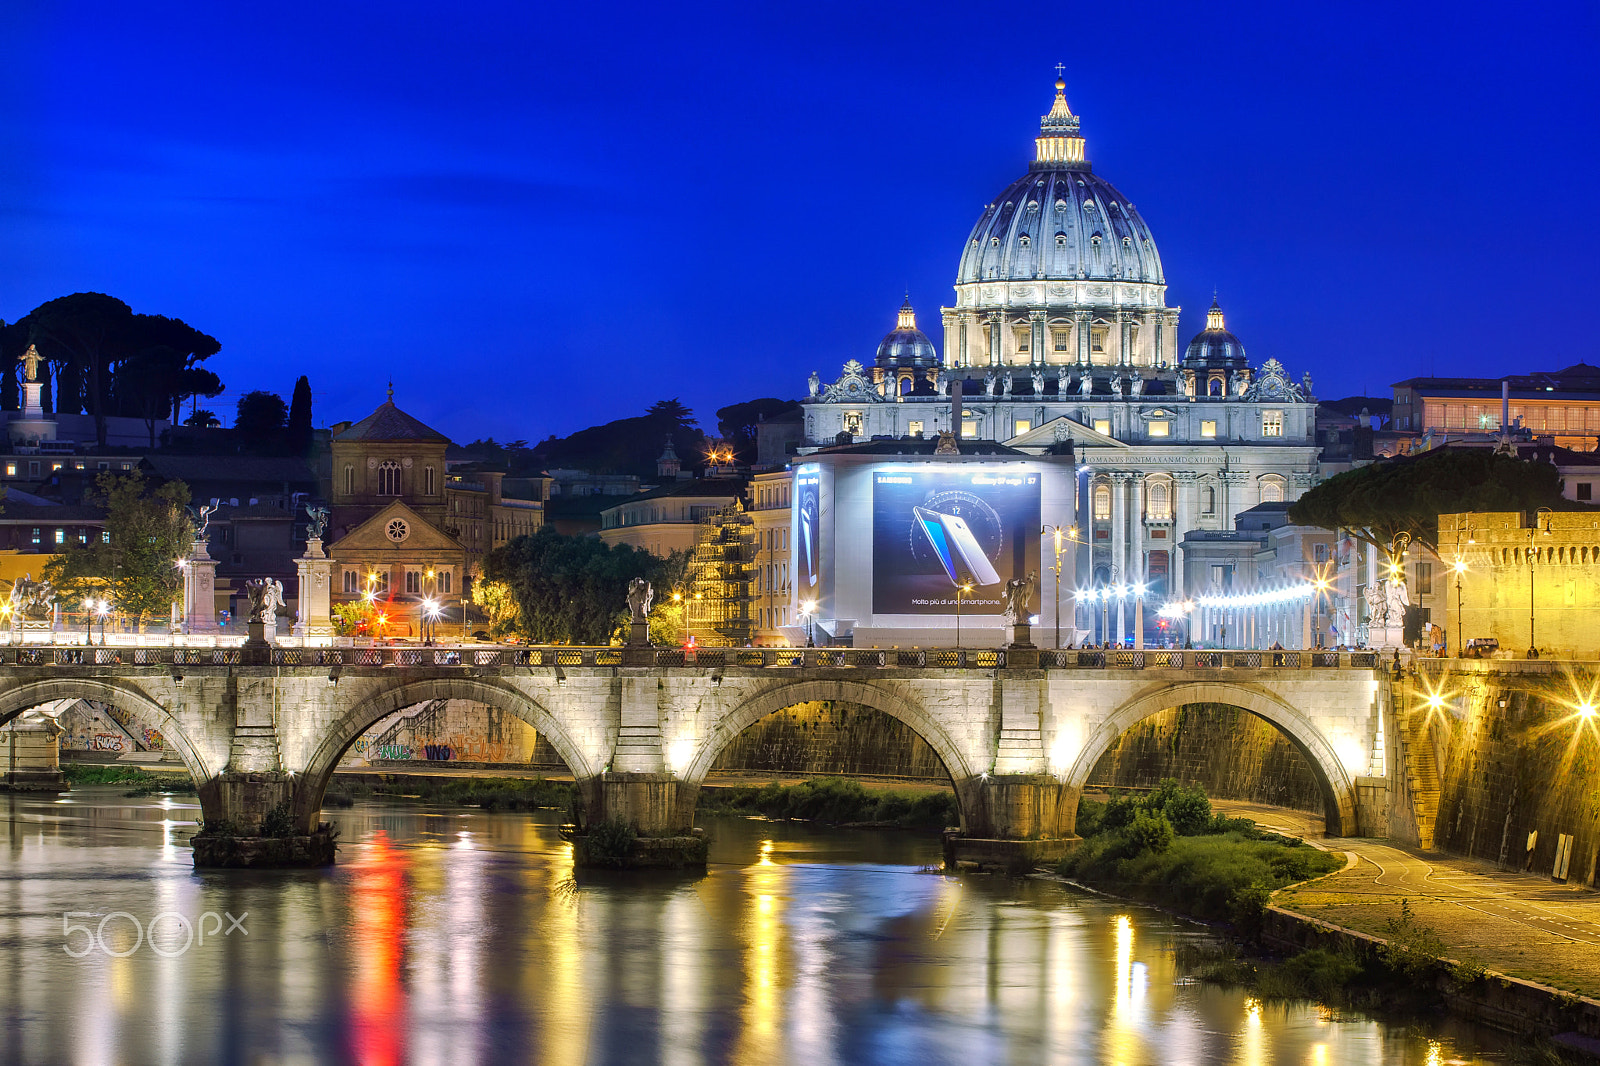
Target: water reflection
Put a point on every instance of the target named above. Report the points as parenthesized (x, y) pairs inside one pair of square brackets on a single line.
[(449, 935)]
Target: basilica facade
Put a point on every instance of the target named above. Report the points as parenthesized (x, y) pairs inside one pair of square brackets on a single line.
[(1060, 332)]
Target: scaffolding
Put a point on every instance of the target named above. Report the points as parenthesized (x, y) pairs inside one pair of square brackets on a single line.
[(719, 578)]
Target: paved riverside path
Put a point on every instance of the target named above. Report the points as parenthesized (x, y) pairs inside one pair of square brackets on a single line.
[(1521, 925)]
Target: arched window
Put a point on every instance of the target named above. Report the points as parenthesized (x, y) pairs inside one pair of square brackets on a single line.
[(1208, 500), (428, 481), (1214, 388), (1158, 499), (389, 478), (1102, 500), (349, 480), (1272, 489)]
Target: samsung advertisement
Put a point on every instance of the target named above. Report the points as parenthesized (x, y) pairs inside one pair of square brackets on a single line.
[(808, 532), (937, 528)]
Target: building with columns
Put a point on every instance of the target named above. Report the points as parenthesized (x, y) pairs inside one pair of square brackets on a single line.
[(1060, 331)]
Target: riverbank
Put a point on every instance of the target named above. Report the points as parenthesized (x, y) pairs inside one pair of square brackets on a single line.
[(138, 781), (834, 801), (1170, 848)]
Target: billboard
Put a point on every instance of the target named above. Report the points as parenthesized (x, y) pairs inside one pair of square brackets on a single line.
[(935, 527), (808, 532)]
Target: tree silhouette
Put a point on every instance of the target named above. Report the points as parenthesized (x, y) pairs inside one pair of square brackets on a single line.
[(299, 430), (260, 420)]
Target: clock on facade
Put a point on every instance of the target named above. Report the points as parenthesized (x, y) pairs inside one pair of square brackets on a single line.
[(398, 530)]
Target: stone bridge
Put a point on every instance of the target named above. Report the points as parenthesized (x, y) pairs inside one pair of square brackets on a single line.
[(639, 728)]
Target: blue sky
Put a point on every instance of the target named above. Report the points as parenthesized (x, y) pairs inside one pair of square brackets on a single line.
[(538, 217)]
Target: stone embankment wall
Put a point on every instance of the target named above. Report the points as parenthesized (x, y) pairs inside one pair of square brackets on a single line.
[(1229, 752), (1518, 766), (828, 737), (452, 731)]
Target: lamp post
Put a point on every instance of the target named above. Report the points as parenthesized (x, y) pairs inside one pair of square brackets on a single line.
[(88, 623), (808, 610), (961, 592), (1070, 534), (103, 608), (1533, 645)]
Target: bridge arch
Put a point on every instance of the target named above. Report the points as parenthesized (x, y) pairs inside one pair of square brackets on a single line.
[(1338, 789), (349, 725), (119, 694), (787, 694)]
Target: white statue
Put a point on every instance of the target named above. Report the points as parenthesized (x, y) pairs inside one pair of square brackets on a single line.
[(1240, 385), (1085, 384), (1005, 384), (988, 383), (640, 597), (1305, 383), (1019, 590), (941, 383), (1395, 593), (266, 600), (1116, 384), (814, 383), (1038, 382), (1377, 606), (1136, 384)]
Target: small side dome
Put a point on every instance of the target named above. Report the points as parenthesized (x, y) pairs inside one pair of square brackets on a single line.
[(1214, 348), (906, 345)]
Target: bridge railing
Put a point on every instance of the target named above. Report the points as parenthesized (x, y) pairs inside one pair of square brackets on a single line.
[(692, 658)]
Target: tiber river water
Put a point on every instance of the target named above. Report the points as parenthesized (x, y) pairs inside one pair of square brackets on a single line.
[(448, 935)]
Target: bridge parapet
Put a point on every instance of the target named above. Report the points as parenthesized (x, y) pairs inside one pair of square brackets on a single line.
[(703, 658)]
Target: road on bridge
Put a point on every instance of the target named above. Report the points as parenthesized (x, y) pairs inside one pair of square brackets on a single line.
[(1520, 924)]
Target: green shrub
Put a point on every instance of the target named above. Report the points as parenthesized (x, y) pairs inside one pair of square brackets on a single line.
[(836, 801), (278, 822), (1412, 949), (1187, 809), (608, 843), (1148, 832)]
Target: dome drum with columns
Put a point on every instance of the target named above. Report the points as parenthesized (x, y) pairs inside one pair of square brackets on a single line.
[(1060, 332)]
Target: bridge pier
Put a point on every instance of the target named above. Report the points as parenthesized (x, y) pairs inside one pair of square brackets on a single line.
[(1014, 822), (258, 819), (656, 807)]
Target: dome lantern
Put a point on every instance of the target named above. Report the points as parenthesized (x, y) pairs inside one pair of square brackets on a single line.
[(1059, 143)]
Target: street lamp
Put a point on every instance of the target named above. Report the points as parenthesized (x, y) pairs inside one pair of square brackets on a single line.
[(1460, 567), (961, 592), (1112, 573), (430, 617), (103, 608), (1533, 645), (1058, 534), (808, 610), (88, 614)]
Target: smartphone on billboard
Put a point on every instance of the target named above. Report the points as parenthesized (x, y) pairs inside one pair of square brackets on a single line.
[(808, 534), (955, 546)]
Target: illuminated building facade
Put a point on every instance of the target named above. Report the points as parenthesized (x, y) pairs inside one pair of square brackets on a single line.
[(1060, 332)]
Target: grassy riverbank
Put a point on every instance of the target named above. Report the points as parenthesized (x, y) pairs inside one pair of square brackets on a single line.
[(836, 801), (490, 793), (1167, 847), (139, 782)]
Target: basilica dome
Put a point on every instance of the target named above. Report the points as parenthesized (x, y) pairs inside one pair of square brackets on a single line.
[(1214, 347), (906, 345), (1060, 221)]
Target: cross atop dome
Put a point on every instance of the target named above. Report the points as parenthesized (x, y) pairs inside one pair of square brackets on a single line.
[(1058, 141)]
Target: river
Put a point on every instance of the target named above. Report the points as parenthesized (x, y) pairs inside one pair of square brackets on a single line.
[(451, 935)]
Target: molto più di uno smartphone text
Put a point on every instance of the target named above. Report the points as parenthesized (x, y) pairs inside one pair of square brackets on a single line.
[(956, 547)]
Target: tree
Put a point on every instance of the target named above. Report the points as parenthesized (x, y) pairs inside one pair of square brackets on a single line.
[(80, 334), (203, 419), (299, 431), (553, 589), (1377, 503), (147, 533), (628, 445), (737, 423), (260, 420)]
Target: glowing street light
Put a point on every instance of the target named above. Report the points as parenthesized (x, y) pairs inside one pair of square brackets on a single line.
[(962, 590), (808, 610)]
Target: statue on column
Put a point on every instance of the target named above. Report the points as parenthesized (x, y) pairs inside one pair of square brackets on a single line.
[(1136, 384), (1005, 384), (1038, 382), (988, 384), (1019, 591), (200, 519), (640, 597), (1116, 385), (319, 521), (1085, 384), (30, 361), (814, 383), (941, 383)]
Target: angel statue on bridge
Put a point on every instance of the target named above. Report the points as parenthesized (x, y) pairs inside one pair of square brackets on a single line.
[(1019, 590), (640, 597), (266, 600)]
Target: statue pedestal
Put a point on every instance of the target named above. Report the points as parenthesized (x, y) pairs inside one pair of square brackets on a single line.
[(200, 591), (315, 592), (31, 424), (639, 635), (1021, 636)]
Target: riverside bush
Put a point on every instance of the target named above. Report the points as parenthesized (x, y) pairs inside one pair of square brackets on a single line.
[(1224, 876), (836, 801)]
